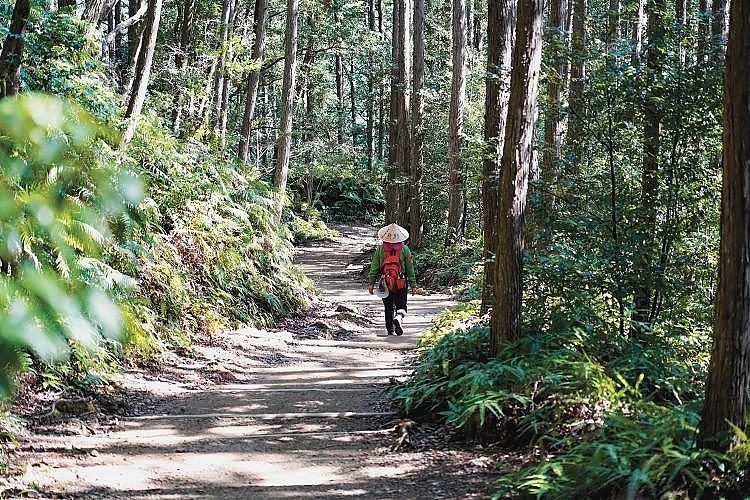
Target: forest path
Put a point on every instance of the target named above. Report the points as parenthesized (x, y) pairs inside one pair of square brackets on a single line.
[(293, 413)]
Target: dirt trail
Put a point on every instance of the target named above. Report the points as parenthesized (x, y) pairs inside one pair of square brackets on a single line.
[(294, 413)]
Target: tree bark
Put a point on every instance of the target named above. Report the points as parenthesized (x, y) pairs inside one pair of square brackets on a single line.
[(556, 79), (501, 18), (635, 55), (186, 30), (517, 160), (726, 400), (143, 69), (398, 145), (578, 113), (416, 226), (456, 226), (12, 53), (643, 312), (284, 142), (260, 23)]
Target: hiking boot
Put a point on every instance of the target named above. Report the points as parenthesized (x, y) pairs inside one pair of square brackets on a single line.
[(397, 325)]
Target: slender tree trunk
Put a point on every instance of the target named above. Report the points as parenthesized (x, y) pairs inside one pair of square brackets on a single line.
[(143, 68), (260, 22), (556, 80), (214, 112), (284, 142), (93, 11), (638, 22), (456, 227), (704, 28), (517, 160), (613, 21), (339, 72), (726, 402), (578, 113), (642, 314), (719, 27), (181, 60), (416, 225), (398, 147), (12, 53), (501, 19)]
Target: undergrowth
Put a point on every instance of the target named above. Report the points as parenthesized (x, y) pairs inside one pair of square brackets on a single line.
[(595, 416)]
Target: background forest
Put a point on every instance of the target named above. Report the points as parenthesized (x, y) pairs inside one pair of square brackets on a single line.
[(161, 159)]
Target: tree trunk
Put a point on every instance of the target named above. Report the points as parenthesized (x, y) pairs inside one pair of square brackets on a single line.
[(93, 11), (260, 22), (12, 53), (187, 25), (704, 29), (517, 160), (399, 143), (643, 310), (556, 79), (143, 68), (719, 27), (214, 113), (578, 113), (501, 18), (456, 226), (613, 22), (726, 400), (635, 55), (416, 226), (339, 72), (284, 142)]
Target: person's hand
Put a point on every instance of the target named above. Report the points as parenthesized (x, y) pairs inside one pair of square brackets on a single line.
[(371, 287)]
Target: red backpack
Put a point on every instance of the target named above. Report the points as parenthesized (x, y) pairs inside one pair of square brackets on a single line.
[(392, 272)]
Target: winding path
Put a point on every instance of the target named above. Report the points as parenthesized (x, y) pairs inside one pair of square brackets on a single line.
[(265, 414)]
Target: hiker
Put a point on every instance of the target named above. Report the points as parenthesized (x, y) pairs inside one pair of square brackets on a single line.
[(392, 268)]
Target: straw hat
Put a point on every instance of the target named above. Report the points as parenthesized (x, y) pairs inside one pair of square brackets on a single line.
[(393, 233)]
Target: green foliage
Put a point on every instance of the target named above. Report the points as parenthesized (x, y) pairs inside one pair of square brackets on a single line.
[(644, 450), (213, 256), (337, 188), (60, 195), (62, 57)]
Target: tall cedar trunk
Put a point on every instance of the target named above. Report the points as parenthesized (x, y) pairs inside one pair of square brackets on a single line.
[(352, 102), (187, 25), (12, 53), (501, 18), (260, 22), (93, 11), (339, 71), (643, 310), (398, 146), (416, 225), (719, 25), (221, 119), (635, 55), (556, 79), (284, 142), (370, 106), (613, 22), (726, 400), (456, 166), (213, 114), (681, 19), (143, 68), (517, 160), (704, 29), (577, 120)]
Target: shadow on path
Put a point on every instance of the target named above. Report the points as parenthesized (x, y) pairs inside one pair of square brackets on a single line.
[(315, 426)]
